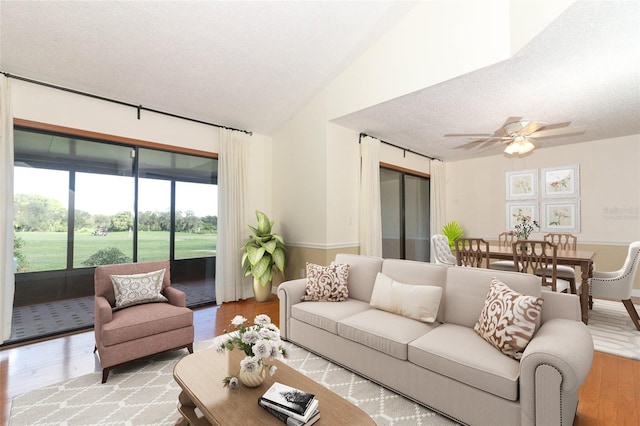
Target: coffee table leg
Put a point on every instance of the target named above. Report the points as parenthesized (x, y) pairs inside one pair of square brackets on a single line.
[(186, 407)]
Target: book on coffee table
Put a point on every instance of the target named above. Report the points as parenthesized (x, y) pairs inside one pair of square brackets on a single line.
[(288, 419), (289, 400)]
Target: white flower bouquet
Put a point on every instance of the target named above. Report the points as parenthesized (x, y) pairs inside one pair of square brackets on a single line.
[(260, 342)]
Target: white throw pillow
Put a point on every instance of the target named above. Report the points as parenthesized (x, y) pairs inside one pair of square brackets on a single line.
[(137, 289), (419, 302)]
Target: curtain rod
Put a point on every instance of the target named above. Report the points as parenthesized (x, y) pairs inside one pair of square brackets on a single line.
[(115, 101), (398, 147)]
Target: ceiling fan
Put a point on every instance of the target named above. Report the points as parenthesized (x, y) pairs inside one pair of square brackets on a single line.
[(518, 134)]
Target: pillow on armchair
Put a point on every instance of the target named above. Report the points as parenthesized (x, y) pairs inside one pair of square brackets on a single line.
[(137, 289)]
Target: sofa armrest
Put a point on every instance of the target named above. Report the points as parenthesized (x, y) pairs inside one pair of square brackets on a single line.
[(102, 315), (289, 293), (564, 345), (176, 297)]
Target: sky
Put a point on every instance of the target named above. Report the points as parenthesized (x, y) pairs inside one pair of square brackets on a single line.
[(108, 194)]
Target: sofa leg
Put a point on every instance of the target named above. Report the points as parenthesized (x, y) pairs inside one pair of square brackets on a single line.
[(105, 374), (190, 348), (632, 313)]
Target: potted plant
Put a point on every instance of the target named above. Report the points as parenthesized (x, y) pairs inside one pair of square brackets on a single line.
[(452, 231), (263, 253)]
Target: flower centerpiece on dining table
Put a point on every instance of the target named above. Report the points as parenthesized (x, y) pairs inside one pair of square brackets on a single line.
[(524, 225), (260, 342)]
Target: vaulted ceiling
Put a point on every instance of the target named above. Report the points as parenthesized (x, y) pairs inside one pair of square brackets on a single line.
[(252, 65)]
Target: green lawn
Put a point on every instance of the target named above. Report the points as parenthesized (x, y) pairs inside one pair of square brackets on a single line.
[(46, 251)]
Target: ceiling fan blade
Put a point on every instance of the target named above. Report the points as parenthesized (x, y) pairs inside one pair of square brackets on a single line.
[(532, 127), (563, 131), (511, 120), (469, 145), (475, 135)]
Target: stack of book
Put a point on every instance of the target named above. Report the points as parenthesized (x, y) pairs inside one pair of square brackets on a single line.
[(292, 406)]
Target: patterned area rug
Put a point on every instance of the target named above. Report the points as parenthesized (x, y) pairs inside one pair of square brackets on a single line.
[(612, 330), (144, 393)]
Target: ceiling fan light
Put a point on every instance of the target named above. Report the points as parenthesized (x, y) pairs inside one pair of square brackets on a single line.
[(520, 145)]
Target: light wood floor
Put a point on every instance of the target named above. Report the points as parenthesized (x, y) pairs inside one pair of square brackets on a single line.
[(610, 395)]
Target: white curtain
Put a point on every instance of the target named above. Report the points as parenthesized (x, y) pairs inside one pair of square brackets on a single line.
[(370, 210), (7, 278), (438, 212), (231, 284)]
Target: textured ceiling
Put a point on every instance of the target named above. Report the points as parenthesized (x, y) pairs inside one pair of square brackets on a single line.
[(249, 65), (252, 65), (583, 68)]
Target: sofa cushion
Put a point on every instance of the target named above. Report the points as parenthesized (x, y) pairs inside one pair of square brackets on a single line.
[(136, 289), (459, 353), (466, 291), (327, 283), (418, 302), (140, 321), (362, 274), (508, 319), (326, 315), (386, 332)]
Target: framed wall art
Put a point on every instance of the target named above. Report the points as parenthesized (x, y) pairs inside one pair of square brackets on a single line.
[(515, 210), (561, 182), (560, 216), (522, 185)]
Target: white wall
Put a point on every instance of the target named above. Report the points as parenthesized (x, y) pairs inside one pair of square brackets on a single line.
[(430, 45), (609, 182)]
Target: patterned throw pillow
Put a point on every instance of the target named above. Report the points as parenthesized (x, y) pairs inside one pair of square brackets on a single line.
[(508, 319), (137, 289), (327, 283)]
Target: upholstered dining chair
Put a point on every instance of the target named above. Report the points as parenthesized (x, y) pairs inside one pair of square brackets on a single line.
[(564, 242), (505, 239), (441, 250), (473, 252), (536, 255), (617, 285), (138, 313)]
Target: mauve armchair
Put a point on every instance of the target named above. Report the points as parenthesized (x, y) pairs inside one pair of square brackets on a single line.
[(134, 332)]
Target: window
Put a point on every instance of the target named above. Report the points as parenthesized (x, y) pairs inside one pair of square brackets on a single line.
[(405, 215), (128, 203)]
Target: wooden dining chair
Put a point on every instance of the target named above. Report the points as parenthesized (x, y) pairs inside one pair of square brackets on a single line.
[(505, 239), (564, 242), (536, 255), (472, 252)]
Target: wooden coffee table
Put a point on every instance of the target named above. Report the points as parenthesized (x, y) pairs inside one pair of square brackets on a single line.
[(200, 376)]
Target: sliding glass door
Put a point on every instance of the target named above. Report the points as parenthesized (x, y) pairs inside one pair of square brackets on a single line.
[(405, 215)]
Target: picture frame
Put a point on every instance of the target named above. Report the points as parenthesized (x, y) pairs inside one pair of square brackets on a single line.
[(561, 182), (522, 185), (529, 208), (561, 216)]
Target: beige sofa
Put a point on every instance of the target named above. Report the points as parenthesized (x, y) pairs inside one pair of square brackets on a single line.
[(446, 365)]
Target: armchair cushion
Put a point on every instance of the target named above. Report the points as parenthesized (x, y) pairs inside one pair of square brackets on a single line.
[(137, 322), (137, 289), (508, 319)]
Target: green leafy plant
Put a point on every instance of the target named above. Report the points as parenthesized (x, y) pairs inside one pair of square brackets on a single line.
[(452, 231), (107, 256), (264, 251)]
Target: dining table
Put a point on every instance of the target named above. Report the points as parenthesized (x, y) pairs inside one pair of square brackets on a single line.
[(582, 258)]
